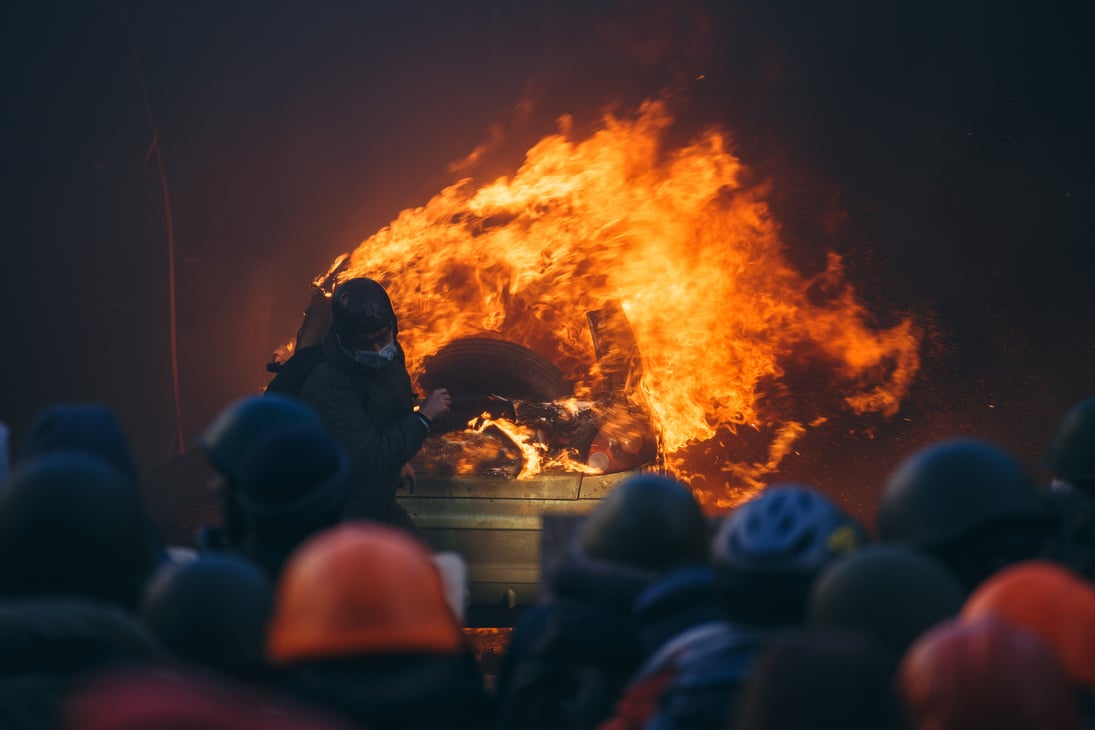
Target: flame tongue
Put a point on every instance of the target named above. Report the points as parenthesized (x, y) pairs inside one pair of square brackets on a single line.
[(673, 237)]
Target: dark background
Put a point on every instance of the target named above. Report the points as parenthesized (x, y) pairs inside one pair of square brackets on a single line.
[(946, 150)]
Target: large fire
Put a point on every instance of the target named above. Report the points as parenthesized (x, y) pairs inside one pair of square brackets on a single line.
[(688, 251)]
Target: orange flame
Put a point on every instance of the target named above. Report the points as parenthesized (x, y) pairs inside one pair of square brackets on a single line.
[(533, 448), (673, 237)]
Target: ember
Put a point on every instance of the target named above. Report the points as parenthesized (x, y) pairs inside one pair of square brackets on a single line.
[(677, 243)]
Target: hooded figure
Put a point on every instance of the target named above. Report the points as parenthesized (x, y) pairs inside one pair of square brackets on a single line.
[(85, 427), (89, 428), (570, 659), (72, 558), (293, 483), (72, 525), (226, 443), (362, 392)]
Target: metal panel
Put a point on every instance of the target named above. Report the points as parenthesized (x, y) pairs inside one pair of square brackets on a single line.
[(487, 514), (544, 486)]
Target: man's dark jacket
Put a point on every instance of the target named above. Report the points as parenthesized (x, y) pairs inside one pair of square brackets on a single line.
[(370, 411)]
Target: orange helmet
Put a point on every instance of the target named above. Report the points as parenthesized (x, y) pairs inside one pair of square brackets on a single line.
[(985, 674), (360, 589), (1050, 602)]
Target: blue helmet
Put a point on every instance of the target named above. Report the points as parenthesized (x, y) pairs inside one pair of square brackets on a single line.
[(787, 528), (768, 551)]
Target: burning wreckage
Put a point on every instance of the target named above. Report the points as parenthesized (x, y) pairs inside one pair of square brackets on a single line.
[(613, 305)]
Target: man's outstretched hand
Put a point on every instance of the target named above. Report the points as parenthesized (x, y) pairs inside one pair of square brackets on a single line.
[(437, 404)]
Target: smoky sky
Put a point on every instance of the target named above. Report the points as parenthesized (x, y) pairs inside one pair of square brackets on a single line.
[(944, 149)]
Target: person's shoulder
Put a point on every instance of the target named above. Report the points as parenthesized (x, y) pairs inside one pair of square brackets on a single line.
[(327, 375)]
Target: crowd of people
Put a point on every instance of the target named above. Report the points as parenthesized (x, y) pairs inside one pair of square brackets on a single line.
[(314, 602), (969, 605)]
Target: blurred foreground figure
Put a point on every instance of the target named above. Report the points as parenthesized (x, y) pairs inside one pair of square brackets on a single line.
[(362, 392), (294, 483), (90, 429), (1071, 454), (1051, 603), (1071, 459), (970, 505), (162, 700), (361, 627), (826, 680), (71, 525), (891, 594), (87, 428), (701, 628), (213, 612), (72, 559), (227, 442), (570, 658), (986, 675)]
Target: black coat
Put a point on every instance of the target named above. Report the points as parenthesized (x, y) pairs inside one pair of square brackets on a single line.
[(569, 660), (396, 692), (370, 411), (48, 646)]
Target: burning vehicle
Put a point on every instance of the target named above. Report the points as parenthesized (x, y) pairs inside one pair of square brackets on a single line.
[(616, 304)]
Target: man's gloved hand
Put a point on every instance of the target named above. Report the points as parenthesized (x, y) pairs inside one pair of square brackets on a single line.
[(437, 404)]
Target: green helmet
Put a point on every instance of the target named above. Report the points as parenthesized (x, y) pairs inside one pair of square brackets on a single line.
[(1071, 454), (239, 426), (888, 592), (949, 489), (648, 521)]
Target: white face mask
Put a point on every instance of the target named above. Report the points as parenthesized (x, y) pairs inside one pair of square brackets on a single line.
[(376, 358), (389, 351)]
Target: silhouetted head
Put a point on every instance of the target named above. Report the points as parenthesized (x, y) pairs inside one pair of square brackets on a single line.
[(891, 593), (969, 504), (70, 524), (294, 482), (647, 521), (212, 612)]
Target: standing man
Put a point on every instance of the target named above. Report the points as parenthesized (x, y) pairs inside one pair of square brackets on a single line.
[(362, 393)]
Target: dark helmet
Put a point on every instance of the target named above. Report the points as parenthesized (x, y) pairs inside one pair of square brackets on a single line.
[(950, 489), (889, 592), (238, 426), (787, 528), (1071, 455), (647, 521), (213, 612), (360, 307)]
